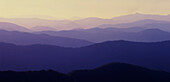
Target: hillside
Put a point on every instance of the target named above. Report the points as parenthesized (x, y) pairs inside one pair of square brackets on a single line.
[(25, 38), (110, 34), (36, 57), (120, 72)]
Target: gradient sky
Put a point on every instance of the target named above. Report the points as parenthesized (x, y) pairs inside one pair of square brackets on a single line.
[(81, 8)]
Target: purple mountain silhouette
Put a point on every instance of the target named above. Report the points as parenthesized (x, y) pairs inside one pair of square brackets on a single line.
[(120, 72), (35, 57), (83, 23), (43, 28), (110, 34), (24, 38), (12, 27)]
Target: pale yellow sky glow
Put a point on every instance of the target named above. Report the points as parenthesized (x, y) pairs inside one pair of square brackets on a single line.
[(81, 8)]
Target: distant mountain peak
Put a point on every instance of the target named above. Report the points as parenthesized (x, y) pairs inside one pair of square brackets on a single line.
[(12, 27), (146, 20), (115, 64), (155, 30), (137, 13), (118, 66)]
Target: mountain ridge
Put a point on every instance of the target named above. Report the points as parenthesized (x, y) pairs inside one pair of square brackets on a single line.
[(120, 72), (109, 34), (25, 38), (83, 23), (151, 55), (116, 72)]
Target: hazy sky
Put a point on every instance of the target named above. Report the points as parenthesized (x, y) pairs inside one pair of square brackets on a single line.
[(81, 8)]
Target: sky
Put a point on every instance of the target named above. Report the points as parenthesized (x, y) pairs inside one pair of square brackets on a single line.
[(74, 9)]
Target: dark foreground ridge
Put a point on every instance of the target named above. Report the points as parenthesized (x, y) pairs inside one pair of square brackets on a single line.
[(34, 76), (37, 57), (113, 72)]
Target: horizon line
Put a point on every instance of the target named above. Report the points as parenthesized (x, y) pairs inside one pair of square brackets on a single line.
[(76, 18)]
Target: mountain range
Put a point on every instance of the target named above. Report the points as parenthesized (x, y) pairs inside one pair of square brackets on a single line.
[(141, 31), (12, 27), (26, 38), (36, 57), (120, 72), (143, 24), (110, 34), (112, 72), (34, 76), (65, 45), (82, 23)]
